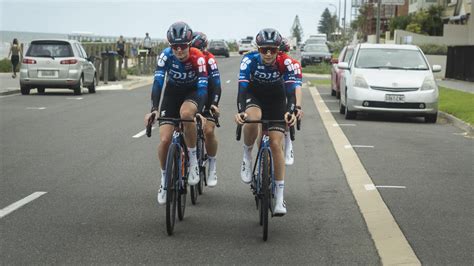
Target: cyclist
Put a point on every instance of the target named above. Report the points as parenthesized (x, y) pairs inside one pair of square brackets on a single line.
[(285, 48), (211, 106), (266, 91), (184, 97)]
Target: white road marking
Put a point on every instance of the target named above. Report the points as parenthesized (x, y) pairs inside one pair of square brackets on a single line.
[(392, 246), (358, 146), (370, 187), (228, 81), (331, 111), (12, 207), (142, 133), (391, 186), (75, 98), (343, 125), (329, 101), (324, 93), (35, 108)]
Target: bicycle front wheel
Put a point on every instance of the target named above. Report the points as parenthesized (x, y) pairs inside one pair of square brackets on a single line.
[(265, 191), (182, 189), (172, 173)]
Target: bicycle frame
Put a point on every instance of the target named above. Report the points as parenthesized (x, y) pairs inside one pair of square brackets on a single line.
[(178, 139), (264, 145)]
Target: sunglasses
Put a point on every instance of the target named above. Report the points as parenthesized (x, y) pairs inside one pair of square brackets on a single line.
[(182, 46), (264, 50)]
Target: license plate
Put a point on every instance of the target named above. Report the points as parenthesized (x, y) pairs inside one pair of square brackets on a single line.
[(48, 73), (394, 98)]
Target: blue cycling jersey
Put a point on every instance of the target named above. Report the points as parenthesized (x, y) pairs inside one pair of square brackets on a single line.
[(183, 76), (254, 71)]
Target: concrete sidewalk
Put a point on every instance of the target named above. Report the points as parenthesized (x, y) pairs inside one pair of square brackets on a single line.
[(9, 85), (457, 85)]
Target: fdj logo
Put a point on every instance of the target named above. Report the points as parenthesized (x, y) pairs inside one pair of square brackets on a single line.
[(265, 75), (182, 76)]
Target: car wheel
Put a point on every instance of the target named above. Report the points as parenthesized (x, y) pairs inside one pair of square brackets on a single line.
[(227, 55), (338, 95), (240, 53), (91, 87), (25, 90), (333, 92), (78, 87), (41, 90), (342, 108), (431, 118), (349, 115)]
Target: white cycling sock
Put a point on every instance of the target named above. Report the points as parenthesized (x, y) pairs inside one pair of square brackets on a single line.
[(248, 151), (192, 155), (288, 143), (212, 163), (163, 176), (280, 187)]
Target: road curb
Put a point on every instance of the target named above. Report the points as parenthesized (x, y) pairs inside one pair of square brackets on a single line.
[(9, 92), (457, 122)]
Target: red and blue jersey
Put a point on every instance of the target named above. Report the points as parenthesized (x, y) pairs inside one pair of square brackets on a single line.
[(295, 65), (185, 76), (253, 71), (214, 80)]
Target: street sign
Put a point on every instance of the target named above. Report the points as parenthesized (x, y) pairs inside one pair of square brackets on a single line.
[(393, 2)]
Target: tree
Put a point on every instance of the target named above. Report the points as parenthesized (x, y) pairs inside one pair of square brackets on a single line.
[(361, 23), (326, 24), (297, 30)]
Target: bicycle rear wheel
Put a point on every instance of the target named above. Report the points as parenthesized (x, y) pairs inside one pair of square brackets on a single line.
[(202, 179), (201, 153), (172, 172), (265, 191)]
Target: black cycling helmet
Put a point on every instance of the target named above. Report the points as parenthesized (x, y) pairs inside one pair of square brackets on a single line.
[(199, 40), (284, 46), (268, 37), (179, 32)]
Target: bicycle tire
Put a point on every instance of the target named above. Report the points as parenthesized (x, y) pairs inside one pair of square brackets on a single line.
[(194, 193), (181, 191), (172, 172), (202, 180), (265, 190)]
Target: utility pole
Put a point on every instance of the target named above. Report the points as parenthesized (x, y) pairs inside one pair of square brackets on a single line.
[(377, 30), (344, 23), (339, 15)]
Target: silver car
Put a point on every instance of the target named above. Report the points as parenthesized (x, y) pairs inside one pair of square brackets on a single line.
[(57, 64)]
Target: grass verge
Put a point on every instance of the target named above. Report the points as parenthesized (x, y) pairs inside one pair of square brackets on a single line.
[(457, 103), (318, 69), (321, 82)]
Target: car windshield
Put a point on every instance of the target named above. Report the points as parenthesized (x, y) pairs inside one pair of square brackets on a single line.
[(315, 41), (50, 49), (316, 48), (216, 44), (391, 59)]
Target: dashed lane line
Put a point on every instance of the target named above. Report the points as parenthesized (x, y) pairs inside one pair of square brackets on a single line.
[(392, 246), (12, 207)]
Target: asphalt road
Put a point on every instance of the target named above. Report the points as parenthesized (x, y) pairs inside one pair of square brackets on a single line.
[(101, 184)]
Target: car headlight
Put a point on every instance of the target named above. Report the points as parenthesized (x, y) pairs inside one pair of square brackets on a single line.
[(429, 84), (359, 82)]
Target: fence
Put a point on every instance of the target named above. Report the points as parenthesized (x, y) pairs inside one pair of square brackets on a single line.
[(460, 62), (144, 62)]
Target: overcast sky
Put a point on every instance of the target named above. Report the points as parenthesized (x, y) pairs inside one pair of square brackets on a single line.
[(226, 19)]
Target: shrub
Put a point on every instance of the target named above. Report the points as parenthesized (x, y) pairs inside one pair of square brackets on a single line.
[(6, 65), (434, 49)]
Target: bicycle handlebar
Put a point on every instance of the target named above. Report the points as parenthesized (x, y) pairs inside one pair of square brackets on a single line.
[(148, 125), (238, 132)]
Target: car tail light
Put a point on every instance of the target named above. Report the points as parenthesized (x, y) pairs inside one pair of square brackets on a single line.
[(28, 61), (68, 62)]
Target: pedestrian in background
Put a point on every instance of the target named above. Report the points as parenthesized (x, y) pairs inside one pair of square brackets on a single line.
[(121, 47), (16, 55), (134, 50), (147, 43)]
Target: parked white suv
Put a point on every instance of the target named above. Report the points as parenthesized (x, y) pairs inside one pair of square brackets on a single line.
[(389, 78), (57, 64)]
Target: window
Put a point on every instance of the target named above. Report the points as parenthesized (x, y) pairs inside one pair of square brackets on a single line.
[(50, 49), (391, 59)]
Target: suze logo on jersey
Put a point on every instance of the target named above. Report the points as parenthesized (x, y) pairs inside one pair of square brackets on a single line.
[(297, 69), (212, 63), (201, 64), (245, 62)]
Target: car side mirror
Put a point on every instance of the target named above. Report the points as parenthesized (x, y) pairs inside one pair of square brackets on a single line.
[(343, 65), (91, 58), (334, 61), (436, 68)]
